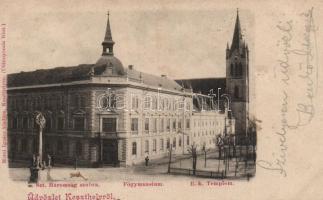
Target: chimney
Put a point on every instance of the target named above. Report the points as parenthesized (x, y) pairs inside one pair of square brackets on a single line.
[(130, 67)]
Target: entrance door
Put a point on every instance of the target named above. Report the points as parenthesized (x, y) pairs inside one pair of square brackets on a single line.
[(110, 152)]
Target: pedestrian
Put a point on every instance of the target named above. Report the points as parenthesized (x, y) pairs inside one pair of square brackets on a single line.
[(146, 160), (36, 167), (31, 168), (49, 166), (49, 161)]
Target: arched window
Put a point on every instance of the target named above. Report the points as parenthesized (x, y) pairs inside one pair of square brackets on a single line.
[(231, 70), (240, 69), (236, 92), (104, 102), (179, 141), (134, 148)]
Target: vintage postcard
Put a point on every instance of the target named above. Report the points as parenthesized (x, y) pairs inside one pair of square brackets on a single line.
[(129, 100)]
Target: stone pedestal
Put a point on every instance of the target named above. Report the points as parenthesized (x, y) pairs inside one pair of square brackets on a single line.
[(44, 175)]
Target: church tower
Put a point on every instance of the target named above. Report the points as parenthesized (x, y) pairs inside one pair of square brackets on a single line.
[(237, 80)]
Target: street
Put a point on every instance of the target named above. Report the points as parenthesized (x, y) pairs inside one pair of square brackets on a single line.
[(155, 171)]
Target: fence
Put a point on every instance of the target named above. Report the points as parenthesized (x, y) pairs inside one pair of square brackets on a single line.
[(200, 173)]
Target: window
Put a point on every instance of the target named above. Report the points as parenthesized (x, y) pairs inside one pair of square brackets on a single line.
[(147, 102), (154, 125), (25, 122), (79, 123), (238, 69), (134, 124), (48, 124), (104, 102), (107, 101), (161, 104), (46, 103), (179, 124), (180, 104), (188, 140), (15, 122), (135, 102), (179, 141), (161, 128), (76, 101), (231, 70), (146, 146), (154, 102), (162, 144), (147, 125), (174, 124), (154, 145), (187, 123), (24, 145), (168, 125), (236, 91), (83, 101), (174, 105), (25, 103), (109, 124), (188, 105), (60, 123), (174, 142), (134, 148), (168, 143), (60, 102), (167, 104)]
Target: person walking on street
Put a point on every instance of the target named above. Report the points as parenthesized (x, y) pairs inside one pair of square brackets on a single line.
[(146, 160)]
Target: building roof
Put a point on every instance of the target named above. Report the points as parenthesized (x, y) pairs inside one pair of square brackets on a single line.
[(153, 80), (50, 76), (85, 72), (113, 62), (204, 85)]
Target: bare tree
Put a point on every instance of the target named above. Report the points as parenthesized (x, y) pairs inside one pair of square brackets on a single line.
[(205, 152), (192, 150), (219, 143)]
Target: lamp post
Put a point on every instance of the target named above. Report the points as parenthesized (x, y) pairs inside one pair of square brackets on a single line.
[(41, 121), (170, 158)]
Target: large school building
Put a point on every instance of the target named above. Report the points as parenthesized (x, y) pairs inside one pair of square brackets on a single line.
[(108, 114)]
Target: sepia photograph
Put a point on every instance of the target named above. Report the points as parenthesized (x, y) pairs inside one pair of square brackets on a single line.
[(161, 100)]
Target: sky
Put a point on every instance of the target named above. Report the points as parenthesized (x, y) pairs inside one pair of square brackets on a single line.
[(181, 43)]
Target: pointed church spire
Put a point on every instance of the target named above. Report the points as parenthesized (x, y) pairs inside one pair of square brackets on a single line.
[(108, 43), (237, 36)]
